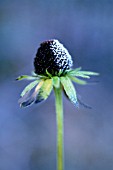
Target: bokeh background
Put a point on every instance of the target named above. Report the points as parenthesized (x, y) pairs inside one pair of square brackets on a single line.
[(28, 136)]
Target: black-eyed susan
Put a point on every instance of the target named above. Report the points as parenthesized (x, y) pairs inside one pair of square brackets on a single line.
[(53, 70)]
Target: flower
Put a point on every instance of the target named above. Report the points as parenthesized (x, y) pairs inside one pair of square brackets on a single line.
[(52, 69)]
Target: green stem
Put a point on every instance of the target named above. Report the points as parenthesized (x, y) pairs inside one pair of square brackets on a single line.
[(59, 119)]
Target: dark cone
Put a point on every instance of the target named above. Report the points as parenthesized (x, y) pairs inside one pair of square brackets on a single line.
[(53, 57)]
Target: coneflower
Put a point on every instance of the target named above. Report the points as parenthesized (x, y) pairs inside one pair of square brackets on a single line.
[(53, 70), (53, 57)]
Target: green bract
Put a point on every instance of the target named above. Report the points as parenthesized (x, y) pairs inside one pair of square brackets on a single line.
[(43, 85)]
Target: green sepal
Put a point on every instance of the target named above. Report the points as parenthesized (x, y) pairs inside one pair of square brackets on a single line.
[(26, 77), (48, 73), (73, 72), (44, 91), (78, 81), (29, 87), (85, 74), (56, 81), (60, 72), (69, 89), (82, 75), (34, 74), (90, 73)]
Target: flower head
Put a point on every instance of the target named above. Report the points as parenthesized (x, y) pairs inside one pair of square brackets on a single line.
[(52, 69), (53, 57)]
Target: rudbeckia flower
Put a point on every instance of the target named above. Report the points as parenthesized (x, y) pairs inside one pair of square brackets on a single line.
[(53, 70)]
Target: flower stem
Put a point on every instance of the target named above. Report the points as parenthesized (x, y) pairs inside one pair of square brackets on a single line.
[(59, 120)]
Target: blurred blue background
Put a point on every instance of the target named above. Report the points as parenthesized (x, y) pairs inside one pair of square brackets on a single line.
[(28, 136)]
